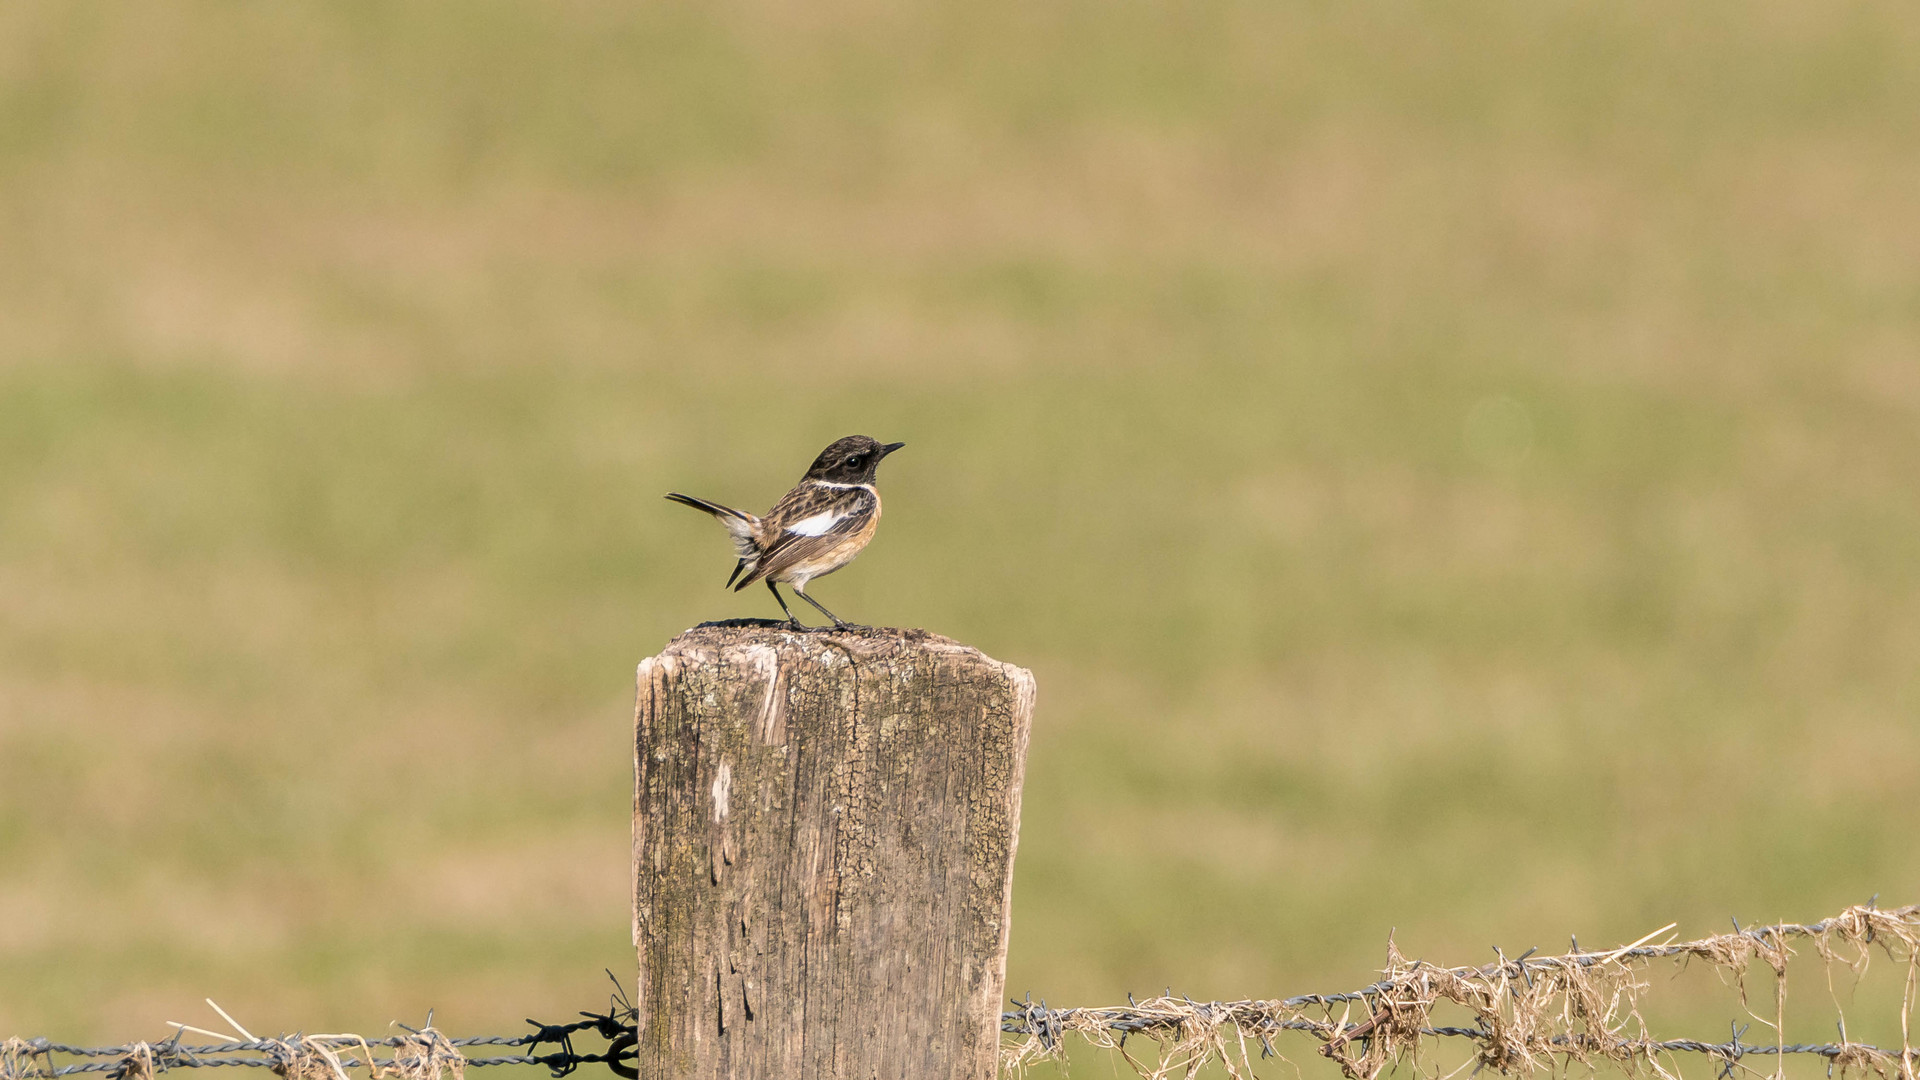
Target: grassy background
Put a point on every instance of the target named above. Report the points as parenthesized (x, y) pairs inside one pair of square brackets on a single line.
[(1451, 467)]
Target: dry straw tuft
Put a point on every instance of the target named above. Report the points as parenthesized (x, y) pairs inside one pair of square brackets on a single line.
[(1527, 1016), (17, 1060), (427, 1055), (137, 1064)]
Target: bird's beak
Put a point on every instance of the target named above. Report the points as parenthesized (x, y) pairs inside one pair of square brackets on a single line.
[(890, 448)]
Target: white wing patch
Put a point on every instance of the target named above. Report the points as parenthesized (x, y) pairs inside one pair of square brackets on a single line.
[(817, 525)]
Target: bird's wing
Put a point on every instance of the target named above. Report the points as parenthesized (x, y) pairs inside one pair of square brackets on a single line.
[(807, 523)]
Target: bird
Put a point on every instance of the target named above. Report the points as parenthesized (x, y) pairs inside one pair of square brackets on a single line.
[(813, 530)]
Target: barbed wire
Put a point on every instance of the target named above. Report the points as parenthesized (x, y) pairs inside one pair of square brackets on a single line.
[(1530, 1014), (423, 1053), (1038, 1021)]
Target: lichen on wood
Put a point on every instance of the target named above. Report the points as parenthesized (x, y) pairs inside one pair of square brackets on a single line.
[(824, 832)]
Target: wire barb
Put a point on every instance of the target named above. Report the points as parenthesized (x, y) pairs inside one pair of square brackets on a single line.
[(1531, 1015), (421, 1054)]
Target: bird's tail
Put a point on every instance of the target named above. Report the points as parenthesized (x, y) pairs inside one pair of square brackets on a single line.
[(713, 508), (739, 524)]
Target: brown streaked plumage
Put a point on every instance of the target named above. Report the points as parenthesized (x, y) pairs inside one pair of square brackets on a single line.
[(813, 530)]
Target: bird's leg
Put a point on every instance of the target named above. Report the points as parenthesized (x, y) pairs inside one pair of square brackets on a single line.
[(838, 622), (782, 601)]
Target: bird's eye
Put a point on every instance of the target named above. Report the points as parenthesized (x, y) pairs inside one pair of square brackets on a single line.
[(853, 462)]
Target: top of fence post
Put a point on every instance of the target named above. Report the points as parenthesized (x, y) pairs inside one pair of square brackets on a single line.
[(824, 833)]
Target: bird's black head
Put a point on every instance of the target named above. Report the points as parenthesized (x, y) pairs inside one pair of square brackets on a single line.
[(852, 460)]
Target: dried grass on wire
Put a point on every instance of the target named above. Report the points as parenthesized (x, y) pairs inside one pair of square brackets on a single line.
[(420, 1054), (1529, 1016)]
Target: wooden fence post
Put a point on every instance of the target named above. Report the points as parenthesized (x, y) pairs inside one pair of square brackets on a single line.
[(823, 836)]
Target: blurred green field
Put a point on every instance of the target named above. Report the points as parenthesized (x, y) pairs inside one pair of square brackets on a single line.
[(1451, 467)]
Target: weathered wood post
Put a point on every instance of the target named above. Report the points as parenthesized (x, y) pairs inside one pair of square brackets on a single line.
[(823, 835)]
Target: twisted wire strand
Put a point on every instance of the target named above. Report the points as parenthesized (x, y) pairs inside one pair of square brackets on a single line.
[(1396, 1007), (1894, 930)]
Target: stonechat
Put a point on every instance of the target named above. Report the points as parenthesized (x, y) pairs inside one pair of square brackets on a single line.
[(813, 530)]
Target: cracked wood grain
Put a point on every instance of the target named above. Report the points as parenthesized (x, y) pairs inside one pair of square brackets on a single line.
[(824, 833)]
